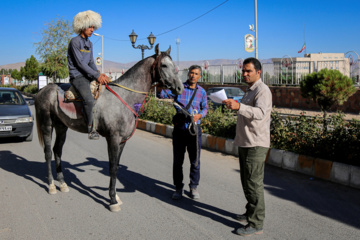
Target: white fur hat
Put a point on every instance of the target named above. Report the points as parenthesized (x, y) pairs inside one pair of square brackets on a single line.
[(83, 20)]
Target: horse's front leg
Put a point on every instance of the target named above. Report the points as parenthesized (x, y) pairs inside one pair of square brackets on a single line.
[(115, 148), (59, 143)]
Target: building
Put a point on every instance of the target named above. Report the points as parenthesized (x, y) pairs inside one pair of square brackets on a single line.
[(292, 70)]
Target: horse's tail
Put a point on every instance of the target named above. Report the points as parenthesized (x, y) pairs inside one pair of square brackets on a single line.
[(39, 131)]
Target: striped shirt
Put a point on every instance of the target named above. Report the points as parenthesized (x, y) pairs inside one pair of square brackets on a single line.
[(199, 103)]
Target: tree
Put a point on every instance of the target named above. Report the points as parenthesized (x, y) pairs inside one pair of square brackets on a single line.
[(31, 69), (15, 74), (326, 88), (53, 48), (22, 72)]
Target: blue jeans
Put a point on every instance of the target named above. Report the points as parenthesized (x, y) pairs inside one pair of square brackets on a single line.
[(182, 141)]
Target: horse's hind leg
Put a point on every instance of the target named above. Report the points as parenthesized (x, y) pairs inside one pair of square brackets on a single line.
[(60, 129), (47, 133)]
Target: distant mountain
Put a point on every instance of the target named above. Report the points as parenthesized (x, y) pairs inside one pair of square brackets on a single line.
[(111, 66), (13, 66)]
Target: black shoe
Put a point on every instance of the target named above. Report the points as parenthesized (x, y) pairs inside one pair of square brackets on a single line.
[(177, 194), (241, 217), (248, 231), (93, 135)]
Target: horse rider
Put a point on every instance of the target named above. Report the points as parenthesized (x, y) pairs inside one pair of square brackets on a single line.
[(82, 69)]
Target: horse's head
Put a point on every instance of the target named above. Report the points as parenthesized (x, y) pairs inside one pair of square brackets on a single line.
[(164, 71)]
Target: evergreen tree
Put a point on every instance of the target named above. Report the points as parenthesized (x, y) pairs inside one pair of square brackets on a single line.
[(326, 88), (31, 69)]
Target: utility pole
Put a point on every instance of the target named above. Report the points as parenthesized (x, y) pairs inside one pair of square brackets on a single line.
[(256, 32)]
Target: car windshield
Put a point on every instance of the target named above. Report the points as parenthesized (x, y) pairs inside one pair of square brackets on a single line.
[(10, 98), (234, 92)]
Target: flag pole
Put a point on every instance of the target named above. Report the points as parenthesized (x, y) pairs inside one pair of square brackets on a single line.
[(304, 38)]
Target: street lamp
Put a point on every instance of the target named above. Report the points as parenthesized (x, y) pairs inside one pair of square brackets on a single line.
[(102, 51), (133, 36), (286, 64)]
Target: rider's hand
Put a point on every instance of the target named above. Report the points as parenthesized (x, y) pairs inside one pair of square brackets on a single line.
[(103, 79)]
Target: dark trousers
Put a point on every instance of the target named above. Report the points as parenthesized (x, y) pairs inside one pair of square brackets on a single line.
[(182, 141), (82, 85), (252, 164)]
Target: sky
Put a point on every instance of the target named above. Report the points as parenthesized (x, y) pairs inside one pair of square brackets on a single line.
[(331, 26)]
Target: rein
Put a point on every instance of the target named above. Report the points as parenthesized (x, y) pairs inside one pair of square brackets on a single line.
[(132, 110), (143, 105)]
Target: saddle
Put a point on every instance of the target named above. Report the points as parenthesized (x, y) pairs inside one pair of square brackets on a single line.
[(70, 101), (71, 94)]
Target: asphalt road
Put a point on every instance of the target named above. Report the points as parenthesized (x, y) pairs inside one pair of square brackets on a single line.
[(296, 206)]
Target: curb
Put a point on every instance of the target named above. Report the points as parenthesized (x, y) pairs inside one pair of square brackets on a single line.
[(316, 167)]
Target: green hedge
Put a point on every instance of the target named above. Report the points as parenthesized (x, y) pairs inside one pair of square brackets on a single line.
[(299, 134), (32, 88), (302, 134)]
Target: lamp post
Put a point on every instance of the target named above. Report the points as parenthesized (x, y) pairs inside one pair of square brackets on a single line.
[(286, 64), (133, 36), (102, 51), (352, 62)]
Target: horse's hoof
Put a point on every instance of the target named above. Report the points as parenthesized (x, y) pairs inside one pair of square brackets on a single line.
[(64, 187), (52, 189), (118, 200), (115, 207)]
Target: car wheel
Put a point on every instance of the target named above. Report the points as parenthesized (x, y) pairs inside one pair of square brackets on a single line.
[(29, 138)]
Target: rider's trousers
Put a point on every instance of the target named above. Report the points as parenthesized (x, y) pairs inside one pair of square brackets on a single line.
[(82, 85)]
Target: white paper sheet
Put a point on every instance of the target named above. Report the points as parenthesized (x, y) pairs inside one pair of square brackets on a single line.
[(218, 96)]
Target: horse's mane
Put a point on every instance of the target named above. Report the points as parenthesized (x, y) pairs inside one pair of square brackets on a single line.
[(133, 68)]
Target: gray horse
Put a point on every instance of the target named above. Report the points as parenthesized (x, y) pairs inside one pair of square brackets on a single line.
[(114, 120)]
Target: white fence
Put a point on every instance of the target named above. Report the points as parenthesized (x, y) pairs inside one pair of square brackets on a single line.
[(272, 73)]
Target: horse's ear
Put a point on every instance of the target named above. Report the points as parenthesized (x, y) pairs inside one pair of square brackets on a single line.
[(169, 50), (157, 52)]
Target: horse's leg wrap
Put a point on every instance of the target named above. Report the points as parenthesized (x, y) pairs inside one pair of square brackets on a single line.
[(64, 187), (52, 188), (118, 200)]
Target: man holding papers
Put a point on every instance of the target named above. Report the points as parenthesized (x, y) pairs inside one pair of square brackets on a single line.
[(253, 139)]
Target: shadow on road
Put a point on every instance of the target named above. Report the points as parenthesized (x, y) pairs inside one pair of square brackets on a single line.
[(36, 172), (133, 181), (324, 198), (32, 171)]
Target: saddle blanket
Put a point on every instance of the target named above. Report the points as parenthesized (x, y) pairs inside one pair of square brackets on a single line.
[(73, 109)]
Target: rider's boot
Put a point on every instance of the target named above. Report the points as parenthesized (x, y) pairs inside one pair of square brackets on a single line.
[(93, 134)]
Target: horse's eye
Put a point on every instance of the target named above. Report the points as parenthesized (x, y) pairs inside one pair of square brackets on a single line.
[(164, 66)]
